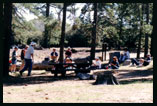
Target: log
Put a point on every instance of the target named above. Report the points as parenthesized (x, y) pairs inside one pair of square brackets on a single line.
[(38, 66)]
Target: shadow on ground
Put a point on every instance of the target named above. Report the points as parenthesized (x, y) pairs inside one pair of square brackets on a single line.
[(138, 77), (19, 81), (135, 73)]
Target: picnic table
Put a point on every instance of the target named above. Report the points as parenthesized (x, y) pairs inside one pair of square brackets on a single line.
[(63, 67)]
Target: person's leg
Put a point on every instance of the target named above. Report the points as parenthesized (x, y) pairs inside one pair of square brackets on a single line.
[(114, 67), (22, 65), (29, 67), (14, 70), (11, 69), (134, 61), (25, 67)]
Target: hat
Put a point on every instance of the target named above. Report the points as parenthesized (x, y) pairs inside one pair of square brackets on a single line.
[(33, 43), (69, 47), (114, 57), (97, 58)]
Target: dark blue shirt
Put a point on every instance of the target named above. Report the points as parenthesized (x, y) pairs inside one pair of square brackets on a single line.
[(14, 55), (115, 63), (52, 54)]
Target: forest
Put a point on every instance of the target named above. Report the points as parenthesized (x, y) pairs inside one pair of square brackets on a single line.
[(119, 25)]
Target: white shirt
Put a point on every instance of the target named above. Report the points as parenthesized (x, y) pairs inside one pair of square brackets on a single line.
[(98, 63), (29, 51), (127, 54)]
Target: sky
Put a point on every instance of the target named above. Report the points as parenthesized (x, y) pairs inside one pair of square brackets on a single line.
[(29, 16)]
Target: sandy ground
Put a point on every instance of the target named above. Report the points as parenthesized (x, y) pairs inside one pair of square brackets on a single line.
[(42, 87), (39, 55)]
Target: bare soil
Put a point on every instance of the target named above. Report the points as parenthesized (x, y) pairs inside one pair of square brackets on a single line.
[(42, 87)]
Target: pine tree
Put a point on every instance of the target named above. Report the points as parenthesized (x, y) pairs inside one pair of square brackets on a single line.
[(93, 44), (7, 37), (63, 34)]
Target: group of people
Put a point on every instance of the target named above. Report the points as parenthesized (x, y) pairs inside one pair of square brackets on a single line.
[(27, 58), (115, 63), (68, 57)]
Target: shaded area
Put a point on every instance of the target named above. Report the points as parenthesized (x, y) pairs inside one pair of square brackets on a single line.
[(135, 73), (19, 81), (122, 78), (143, 80)]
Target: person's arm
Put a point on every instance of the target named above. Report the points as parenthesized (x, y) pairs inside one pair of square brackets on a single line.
[(99, 64), (117, 64), (32, 54)]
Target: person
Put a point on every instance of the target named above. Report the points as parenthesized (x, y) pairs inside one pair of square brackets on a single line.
[(29, 59), (23, 51), (142, 62), (114, 64), (68, 53), (126, 54), (68, 60), (121, 58), (97, 64), (54, 55), (14, 59)]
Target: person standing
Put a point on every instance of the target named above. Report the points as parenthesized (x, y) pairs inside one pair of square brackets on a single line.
[(29, 59), (23, 52), (14, 59)]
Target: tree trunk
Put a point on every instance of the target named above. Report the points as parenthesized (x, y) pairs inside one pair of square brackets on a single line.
[(151, 48), (2, 32), (146, 36), (46, 34), (93, 45), (140, 35), (63, 34), (7, 37)]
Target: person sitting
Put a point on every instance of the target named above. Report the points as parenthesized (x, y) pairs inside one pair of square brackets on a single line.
[(68, 53), (96, 64), (126, 54), (122, 58), (68, 60), (14, 59), (114, 64), (54, 56), (142, 62)]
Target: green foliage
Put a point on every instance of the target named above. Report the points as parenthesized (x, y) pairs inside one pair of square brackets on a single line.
[(118, 24)]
